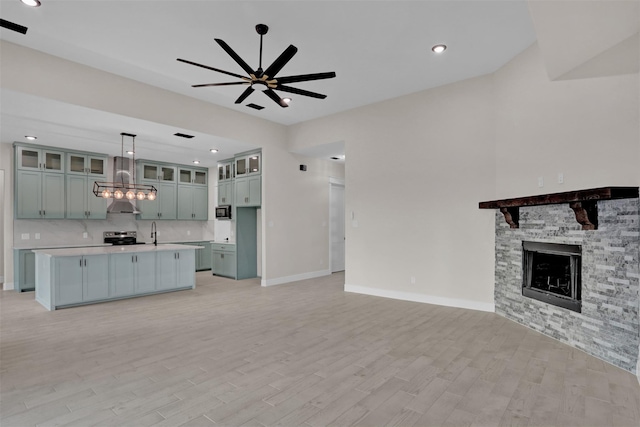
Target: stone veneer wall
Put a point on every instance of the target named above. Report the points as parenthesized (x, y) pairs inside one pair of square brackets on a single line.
[(608, 326)]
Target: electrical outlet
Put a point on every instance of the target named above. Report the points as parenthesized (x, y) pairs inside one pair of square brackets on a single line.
[(85, 235), (25, 236), (354, 223), (540, 181), (188, 232), (413, 280), (560, 178), (37, 236)]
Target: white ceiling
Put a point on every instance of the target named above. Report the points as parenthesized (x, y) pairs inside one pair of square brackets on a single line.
[(378, 49)]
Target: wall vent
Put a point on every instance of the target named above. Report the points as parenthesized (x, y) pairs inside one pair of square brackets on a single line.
[(183, 135), (255, 106), (13, 26)]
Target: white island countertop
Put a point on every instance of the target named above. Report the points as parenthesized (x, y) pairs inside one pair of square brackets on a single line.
[(105, 250)]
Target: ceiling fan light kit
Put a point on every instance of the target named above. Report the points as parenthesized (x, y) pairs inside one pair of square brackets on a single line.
[(265, 80)]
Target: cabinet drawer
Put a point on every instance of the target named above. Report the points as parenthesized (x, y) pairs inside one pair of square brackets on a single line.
[(223, 247)]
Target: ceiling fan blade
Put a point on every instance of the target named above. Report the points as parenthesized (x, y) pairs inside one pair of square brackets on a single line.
[(222, 84), (301, 92), (248, 91), (214, 69), (271, 94), (281, 61), (306, 77), (235, 56)]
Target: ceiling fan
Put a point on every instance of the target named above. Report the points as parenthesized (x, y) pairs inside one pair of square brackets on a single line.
[(265, 80)]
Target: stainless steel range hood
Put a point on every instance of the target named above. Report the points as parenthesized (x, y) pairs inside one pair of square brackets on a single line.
[(122, 173)]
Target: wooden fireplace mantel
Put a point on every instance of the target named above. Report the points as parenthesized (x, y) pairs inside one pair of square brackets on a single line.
[(583, 203)]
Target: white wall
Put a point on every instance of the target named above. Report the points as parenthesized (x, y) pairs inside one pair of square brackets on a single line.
[(588, 129), (418, 165)]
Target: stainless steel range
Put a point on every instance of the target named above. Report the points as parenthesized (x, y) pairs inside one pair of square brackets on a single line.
[(121, 238)]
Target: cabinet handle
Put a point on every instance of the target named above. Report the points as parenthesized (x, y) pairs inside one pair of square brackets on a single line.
[(178, 255), (85, 262), (80, 262), (44, 213), (136, 258)]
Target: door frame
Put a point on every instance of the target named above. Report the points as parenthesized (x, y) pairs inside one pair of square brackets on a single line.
[(334, 182)]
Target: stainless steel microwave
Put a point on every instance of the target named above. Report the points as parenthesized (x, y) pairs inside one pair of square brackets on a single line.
[(223, 212)]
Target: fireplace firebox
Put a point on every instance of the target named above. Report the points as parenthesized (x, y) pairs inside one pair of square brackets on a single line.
[(552, 273)]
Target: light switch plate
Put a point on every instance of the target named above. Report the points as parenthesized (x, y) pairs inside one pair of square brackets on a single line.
[(24, 236), (37, 236)]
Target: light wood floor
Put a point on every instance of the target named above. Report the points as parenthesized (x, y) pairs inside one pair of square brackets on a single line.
[(304, 354)]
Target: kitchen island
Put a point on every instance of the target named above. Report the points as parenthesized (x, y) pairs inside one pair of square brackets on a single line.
[(88, 275)]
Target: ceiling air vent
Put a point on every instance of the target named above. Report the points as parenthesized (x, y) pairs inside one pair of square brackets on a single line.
[(183, 135), (13, 26), (255, 106)]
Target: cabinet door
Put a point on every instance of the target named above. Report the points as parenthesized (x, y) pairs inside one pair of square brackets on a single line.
[(149, 172), (255, 191), (96, 277), (96, 206), (69, 272), (29, 158), (53, 161), (185, 176), (145, 272), (204, 256), (53, 195), (77, 163), (97, 166), (28, 194), (199, 177), (167, 174), (27, 272), (242, 192), (217, 263), (241, 166), (167, 201), (166, 262), (186, 268), (185, 202), (76, 196), (122, 275), (253, 164), (200, 203), (150, 208), (225, 193), (230, 266)]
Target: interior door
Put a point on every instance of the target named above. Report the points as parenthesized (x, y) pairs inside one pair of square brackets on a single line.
[(337, 230)]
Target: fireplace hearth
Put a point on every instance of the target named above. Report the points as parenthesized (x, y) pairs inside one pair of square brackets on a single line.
[(552, 274)]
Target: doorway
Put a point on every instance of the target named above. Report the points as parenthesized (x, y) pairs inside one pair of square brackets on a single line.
[(336, 225)]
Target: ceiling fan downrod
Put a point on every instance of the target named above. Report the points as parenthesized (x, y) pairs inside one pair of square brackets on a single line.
[(261, 29)]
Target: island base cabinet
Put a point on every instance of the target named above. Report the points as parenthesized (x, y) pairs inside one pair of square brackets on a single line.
[(175, 270), (81, 279), (132, 274)]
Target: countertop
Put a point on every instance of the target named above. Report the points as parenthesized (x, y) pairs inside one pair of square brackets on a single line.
[(110, 249), (61, 246)]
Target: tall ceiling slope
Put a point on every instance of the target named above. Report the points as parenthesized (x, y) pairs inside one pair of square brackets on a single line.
[(581, 39)]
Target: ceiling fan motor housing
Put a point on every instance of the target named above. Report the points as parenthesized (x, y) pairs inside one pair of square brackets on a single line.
[(262, 29)]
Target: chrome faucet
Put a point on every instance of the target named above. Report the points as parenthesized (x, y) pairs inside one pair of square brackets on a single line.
[(154, 233)]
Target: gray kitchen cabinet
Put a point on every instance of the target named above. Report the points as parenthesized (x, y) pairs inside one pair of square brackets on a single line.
[(148, 171), (223, 260), (81, 202), (248, 191), (165, 204), (132, 274), (203, 256), (82, 279), (225, 193), (192, 202), (192, 176), (24, 270), (87, 164), (248, 164), (175, 269), (39, 159), (39, 195)]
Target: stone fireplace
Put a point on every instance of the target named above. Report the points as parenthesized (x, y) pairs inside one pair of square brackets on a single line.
[(568, 266)]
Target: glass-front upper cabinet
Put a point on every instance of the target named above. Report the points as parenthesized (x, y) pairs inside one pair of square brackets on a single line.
[(248, 165), (40, 159), (192, 176), (86, 164), (226, 171), (158, 172)]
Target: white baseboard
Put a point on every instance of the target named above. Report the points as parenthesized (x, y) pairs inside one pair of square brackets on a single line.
[(7, 286), (294, 278), (429, 299)]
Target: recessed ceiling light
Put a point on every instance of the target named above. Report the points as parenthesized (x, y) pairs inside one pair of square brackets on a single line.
[(214, 150), (31, 138), (197, 162), (32, 3), (439, 48)]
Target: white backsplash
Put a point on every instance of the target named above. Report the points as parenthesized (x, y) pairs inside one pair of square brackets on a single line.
[(70, 232)]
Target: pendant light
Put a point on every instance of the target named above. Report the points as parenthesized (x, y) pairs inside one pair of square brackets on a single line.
[(120, 190)]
